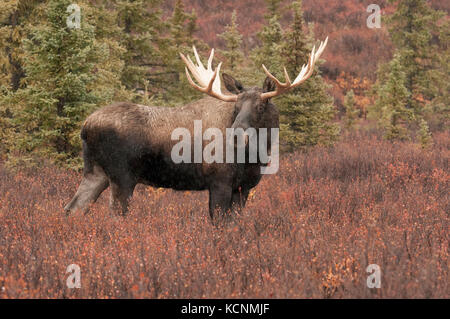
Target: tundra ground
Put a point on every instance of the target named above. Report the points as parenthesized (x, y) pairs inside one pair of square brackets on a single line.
[(308, 232)]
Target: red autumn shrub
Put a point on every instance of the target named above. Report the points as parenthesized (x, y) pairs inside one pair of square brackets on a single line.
[(309, 231)]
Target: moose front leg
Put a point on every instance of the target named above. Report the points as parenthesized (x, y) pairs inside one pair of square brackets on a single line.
[(239, 198), (220, 196)]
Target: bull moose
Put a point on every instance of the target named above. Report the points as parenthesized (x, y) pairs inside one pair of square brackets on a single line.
[(125, 144)]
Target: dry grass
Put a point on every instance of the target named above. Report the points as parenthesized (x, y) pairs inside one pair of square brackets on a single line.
[(309, 231)]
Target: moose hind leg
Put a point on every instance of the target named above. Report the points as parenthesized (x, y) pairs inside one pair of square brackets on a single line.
[(92, 185)]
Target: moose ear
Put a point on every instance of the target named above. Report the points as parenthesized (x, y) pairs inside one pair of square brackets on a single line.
[(232, 85), (269, 85)]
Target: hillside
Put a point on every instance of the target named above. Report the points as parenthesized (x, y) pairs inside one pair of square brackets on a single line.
[(353, 52)]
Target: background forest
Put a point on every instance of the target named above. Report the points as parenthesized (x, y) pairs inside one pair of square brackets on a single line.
[(53, 76)]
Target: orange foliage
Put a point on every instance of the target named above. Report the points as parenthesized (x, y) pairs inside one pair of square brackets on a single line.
[(360, 86), (308, 232)]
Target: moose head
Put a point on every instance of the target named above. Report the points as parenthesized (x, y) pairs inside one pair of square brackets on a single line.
[(250, 103)]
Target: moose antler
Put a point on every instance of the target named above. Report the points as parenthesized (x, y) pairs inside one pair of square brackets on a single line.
[(305, 73), (207, 78)]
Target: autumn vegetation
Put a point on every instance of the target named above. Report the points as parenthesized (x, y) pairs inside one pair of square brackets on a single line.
[(364, 170), (308, 232)]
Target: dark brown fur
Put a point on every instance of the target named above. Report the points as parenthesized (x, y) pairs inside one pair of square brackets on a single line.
[(125, 144)]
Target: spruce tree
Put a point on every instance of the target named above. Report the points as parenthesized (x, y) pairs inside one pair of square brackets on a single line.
[(273, 8), (393, 97), (425, 138), (181, 26), (14, 17), (351, 112), (269, 52), (437, 111), (411, 28), (419, 66), (111, 65), (296, 44), (233, 42), (306, 112), (141, 27), (63, 85)]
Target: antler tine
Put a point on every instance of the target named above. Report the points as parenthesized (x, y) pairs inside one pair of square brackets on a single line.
[(191, 82), (206, 77), (207, 89), (217, 84), (302, 72), (286, 75), (211, 57), (211, 83), (191, 66), (277, 82), (199, 62), (306, 71), (322, 47)]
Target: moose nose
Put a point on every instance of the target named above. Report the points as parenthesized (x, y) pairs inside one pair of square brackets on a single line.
[(241, 130)]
